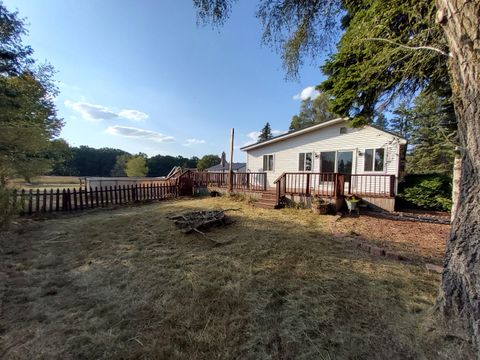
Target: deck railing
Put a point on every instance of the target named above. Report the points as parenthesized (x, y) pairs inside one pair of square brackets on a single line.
[(334, 184), (251, 181)]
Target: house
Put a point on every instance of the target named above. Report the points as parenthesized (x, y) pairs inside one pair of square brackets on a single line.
[(368, 161), (225, 167)]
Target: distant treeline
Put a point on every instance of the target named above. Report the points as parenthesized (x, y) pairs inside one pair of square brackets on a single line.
[(87, 161)]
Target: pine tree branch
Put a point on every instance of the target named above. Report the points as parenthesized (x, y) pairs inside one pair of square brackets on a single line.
[(431, 48)]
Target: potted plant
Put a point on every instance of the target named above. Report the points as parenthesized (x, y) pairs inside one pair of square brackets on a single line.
[(320, 206), (352, 204)]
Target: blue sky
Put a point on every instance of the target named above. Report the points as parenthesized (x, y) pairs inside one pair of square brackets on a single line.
[(143, 77)]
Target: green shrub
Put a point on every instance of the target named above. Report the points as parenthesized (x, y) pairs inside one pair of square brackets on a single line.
[(8, 206), (429, 191)]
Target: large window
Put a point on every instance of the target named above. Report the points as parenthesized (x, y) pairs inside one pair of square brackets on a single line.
[(374, 159), (305, 161), (344, 162), (327, 161), (267, 162)]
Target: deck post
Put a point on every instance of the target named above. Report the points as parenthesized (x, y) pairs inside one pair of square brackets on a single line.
[(307, 185), (248, 181), (392, 185)]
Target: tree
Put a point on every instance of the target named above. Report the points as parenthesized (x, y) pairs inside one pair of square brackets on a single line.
[(28, 118), (312, 112), (208, 161), (136, 166), (432, 135), (265, 133), (381, 122), (120, 165), (390, 48), (402, 122)]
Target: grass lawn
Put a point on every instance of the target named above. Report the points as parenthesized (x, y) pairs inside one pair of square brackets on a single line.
[(46, 182), (125, 283)]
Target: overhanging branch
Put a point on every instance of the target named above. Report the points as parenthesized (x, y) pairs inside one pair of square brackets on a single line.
[(431, 48)]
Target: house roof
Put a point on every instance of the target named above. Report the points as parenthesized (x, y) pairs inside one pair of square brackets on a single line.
[(219, 167), (307, 130)]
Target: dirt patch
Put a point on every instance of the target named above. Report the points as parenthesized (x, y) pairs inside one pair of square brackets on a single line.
[(424, 242), (128, 284)]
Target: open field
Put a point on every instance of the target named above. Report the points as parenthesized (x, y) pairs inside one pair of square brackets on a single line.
[(46, 182), (125, 283)]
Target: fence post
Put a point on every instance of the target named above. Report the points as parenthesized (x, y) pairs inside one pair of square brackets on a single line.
[(75, 199)]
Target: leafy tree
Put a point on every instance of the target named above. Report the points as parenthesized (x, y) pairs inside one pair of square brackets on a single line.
[(312, 112), (389, 49), (120, 165), (160, 165), (88, 161), (265, 133), (28, 118), (136, 166), (208, 161)]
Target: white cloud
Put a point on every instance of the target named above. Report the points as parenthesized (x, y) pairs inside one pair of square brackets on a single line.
[(134, 115), (132, 132), (194, 142), (307, 93), (93, 112), (253, 136)]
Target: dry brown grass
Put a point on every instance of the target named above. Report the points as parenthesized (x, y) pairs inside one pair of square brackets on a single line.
[(127, 284), (46, 182)]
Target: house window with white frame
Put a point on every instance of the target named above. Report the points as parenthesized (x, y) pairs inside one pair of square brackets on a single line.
[(305, 161), (268, 162), (374, 160)]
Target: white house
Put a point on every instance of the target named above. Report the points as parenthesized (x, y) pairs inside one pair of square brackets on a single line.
[(368, 157)]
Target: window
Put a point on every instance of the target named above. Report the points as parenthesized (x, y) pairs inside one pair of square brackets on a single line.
[(267, 162), (374, 159), (305, 161), (344, 162), (327, 162)]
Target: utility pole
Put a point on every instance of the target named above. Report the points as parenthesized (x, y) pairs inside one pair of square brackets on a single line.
[(230, 182)]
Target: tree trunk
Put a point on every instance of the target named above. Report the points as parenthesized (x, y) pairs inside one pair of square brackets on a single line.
[(460, 290), (457, 176)]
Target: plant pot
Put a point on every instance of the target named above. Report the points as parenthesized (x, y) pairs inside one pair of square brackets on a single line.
[(352, 205)]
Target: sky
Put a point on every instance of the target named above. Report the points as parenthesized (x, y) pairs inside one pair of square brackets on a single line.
[(142, 76)]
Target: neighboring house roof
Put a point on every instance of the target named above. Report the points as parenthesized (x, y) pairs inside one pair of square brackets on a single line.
[(219, 167), (307, 130)]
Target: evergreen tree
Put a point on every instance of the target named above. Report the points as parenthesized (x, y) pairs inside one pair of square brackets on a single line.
[(433, 136), (381, 122), (265, 133), (402, 122)]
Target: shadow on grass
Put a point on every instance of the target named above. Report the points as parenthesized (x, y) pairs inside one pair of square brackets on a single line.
[(127, 284)]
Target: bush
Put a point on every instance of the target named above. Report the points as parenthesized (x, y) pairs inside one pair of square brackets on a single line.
[(8, 206), (428, 191)]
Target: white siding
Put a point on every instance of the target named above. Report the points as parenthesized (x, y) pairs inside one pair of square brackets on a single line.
[(326, 139)]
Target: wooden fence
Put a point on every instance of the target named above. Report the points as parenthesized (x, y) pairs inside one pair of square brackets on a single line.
[(67, 200)]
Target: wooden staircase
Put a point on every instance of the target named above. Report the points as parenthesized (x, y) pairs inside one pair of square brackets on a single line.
[(268, 200)]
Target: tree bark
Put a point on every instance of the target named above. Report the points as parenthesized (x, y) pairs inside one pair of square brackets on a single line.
[(460, 289)]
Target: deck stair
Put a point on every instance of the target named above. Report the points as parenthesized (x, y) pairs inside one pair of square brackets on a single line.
[(268, 200)]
